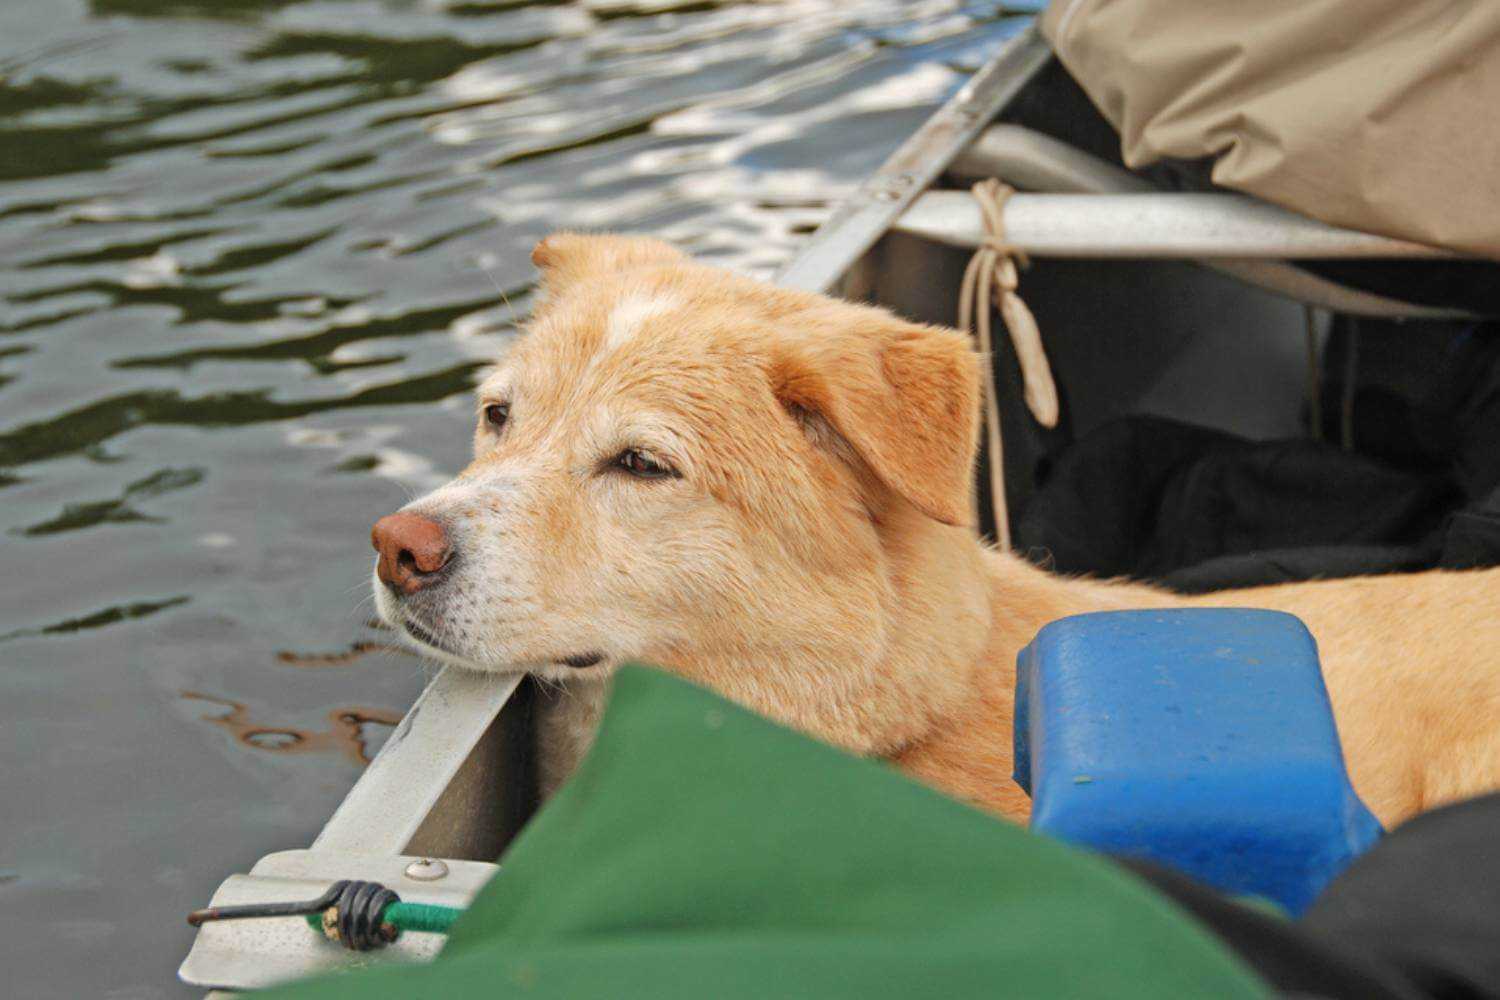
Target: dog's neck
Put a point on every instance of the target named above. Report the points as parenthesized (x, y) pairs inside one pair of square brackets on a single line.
[(968, 752)]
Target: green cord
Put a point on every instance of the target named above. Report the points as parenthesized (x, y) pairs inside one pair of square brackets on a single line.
[(423, 917)]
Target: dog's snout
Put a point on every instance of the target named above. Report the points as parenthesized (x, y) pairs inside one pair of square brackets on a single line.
[(413, 551)]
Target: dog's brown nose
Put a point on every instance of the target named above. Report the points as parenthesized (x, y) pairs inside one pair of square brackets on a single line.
[(413, 549)]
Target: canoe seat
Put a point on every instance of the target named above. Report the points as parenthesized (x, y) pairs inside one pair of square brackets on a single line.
[(1201, 739)]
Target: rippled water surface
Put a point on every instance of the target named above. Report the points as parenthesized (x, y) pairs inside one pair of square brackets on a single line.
[(254, 252)]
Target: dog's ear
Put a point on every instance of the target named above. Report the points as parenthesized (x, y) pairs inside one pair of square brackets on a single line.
[(565, 257), (904, 396)]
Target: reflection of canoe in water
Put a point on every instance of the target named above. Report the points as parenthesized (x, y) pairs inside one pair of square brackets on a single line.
[(1218, 344)]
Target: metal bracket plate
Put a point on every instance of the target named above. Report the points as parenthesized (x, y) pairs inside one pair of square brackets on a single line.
[(254, 954), (432, 788)]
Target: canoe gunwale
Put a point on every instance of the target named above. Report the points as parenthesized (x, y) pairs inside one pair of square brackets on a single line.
[(862, 219)]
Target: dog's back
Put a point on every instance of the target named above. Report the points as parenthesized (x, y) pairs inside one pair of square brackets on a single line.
[(1412, 664)]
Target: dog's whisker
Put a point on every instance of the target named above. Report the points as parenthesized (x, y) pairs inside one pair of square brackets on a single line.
[(514, 322)]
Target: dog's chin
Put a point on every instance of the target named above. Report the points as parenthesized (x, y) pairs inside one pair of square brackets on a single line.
[(590, 664), (580, 666), (416, 638), (564, 672)]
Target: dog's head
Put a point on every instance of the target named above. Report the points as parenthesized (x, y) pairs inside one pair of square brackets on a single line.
[(764, 490)]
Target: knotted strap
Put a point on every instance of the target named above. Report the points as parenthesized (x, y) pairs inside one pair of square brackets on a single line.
[(992, 276)]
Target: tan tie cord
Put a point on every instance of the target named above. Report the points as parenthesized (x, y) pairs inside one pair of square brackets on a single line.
[(991, 276)]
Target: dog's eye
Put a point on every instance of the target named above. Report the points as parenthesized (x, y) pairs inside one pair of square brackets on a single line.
[(640, 464), (496, 414)]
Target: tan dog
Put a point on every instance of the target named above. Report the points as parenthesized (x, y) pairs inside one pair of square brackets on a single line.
[(769, 493)]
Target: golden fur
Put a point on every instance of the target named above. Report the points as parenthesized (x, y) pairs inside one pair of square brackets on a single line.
[(815, 559)]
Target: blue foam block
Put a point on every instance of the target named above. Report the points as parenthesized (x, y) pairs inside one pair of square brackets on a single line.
[(1202, 739)]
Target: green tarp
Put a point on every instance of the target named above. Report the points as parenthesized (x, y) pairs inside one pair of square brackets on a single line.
[(702, 851)]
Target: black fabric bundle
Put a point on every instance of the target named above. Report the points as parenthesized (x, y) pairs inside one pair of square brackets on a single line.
[(1418, 916), (1200, 510)]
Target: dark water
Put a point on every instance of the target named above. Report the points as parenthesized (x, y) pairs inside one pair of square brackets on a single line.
[(251, 255)]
